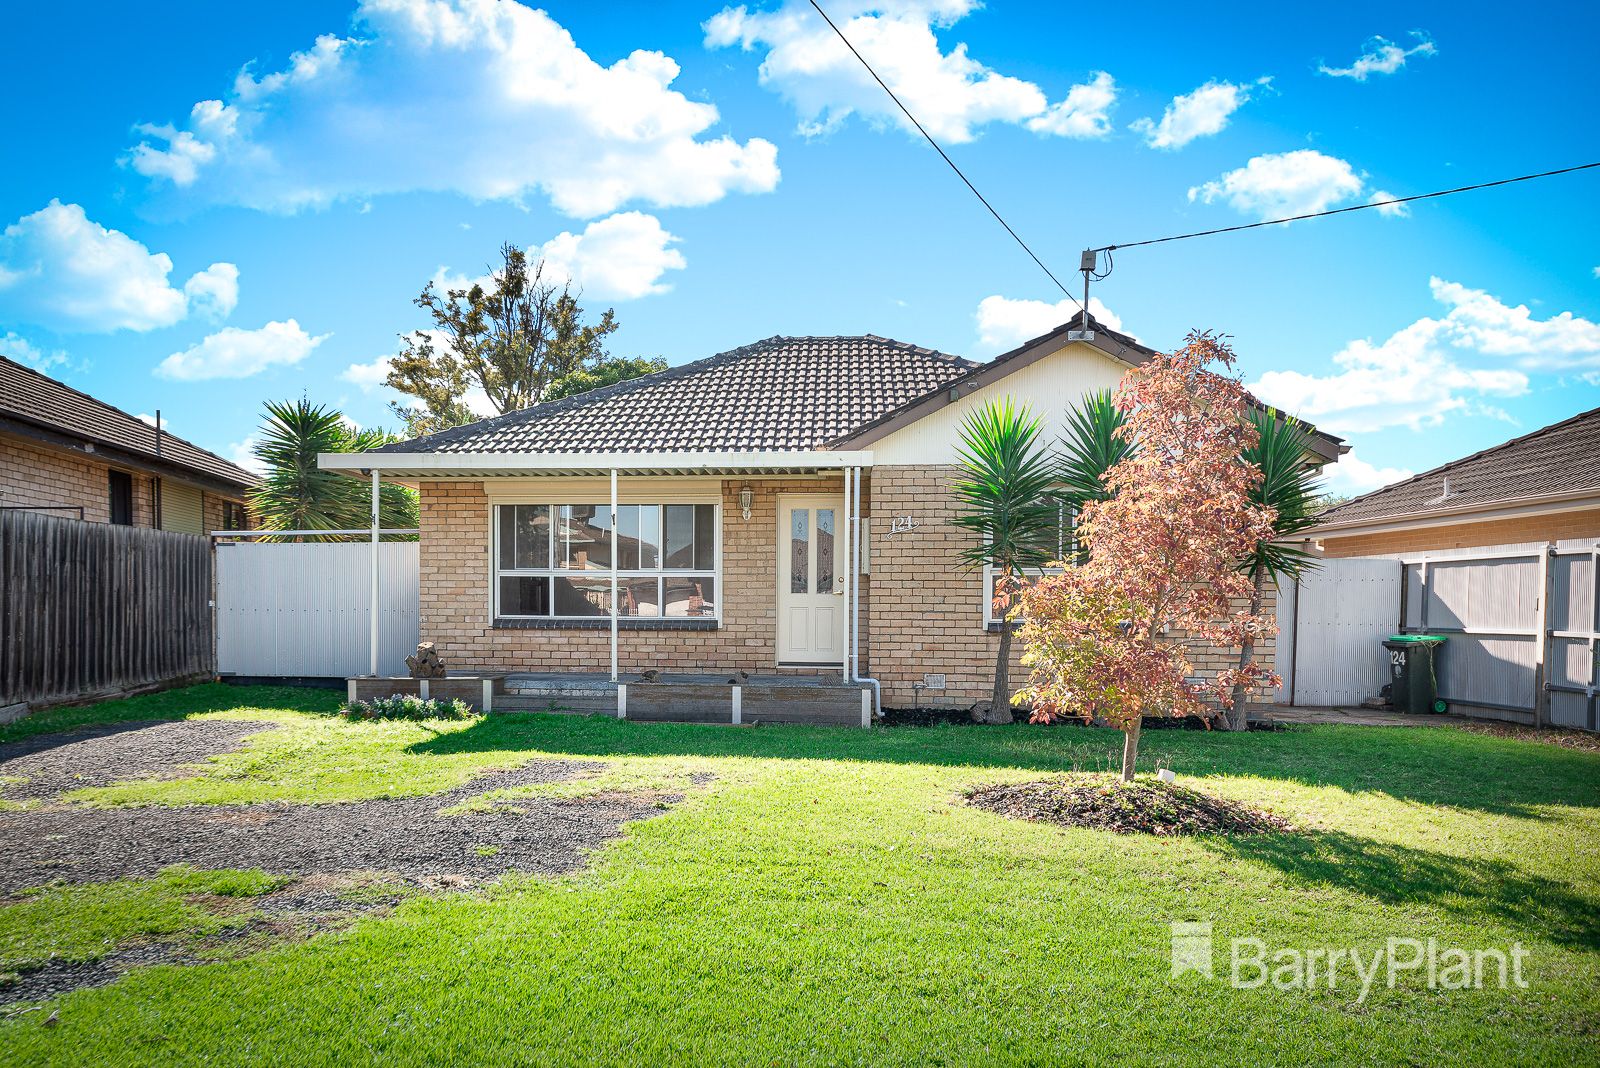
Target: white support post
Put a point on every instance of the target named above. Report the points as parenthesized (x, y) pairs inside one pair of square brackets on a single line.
[(374, 635), (855, 574), (738, 705), (622, 701)]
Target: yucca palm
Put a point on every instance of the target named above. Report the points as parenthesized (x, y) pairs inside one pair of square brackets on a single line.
[(1003, 486), (295, 494), (1091, 445), (1290, 488)]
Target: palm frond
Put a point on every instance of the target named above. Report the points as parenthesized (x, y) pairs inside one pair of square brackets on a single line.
[(1289, 487), (1004, 485)]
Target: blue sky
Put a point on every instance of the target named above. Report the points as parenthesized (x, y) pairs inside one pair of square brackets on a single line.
[(224, 204)]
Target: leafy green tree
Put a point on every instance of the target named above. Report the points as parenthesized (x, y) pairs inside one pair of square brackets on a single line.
[(607, 372), (1003, 486), (1290, 490), (512, 341), (295, 494)]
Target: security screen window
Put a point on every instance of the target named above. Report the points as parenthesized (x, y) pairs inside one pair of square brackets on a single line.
[(666, 560)]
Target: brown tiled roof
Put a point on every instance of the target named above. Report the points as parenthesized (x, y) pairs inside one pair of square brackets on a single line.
[(30, 397), (781, 394), (1559, 459)]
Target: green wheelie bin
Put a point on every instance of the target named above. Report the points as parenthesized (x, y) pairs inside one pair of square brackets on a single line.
[(1413, 680)]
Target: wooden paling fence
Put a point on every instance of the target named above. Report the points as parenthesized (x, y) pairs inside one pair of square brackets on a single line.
[(91, 608)]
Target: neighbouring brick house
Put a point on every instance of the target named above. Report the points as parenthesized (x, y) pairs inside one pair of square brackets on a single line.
[(68, 454), (736, 483), (1542, 487)]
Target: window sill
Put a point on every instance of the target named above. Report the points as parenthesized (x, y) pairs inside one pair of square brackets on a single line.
[(604, 623)]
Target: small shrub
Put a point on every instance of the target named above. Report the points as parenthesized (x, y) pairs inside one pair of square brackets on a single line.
[(407, 706)]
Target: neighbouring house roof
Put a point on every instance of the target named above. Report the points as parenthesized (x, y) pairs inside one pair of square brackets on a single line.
[(781, 394), (37, 406), (1559, 462)]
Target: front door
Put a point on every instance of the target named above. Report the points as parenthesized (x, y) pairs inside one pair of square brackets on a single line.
[(811, 580)]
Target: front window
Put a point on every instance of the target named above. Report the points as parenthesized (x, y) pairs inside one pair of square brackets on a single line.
[(1066, 548), (553, 561)]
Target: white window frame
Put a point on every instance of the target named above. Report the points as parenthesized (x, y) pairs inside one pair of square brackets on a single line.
[(661, 573), (1066, 542)]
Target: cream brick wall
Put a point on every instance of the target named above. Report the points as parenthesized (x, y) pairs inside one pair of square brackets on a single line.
[(1557, 527), (456, 574), (929, 611), (920, 613), (35, 476)]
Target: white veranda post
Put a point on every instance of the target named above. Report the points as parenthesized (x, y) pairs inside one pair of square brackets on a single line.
[(613, 574), (374, 636)]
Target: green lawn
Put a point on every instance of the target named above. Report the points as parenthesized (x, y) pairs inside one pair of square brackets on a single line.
[(828, 898)]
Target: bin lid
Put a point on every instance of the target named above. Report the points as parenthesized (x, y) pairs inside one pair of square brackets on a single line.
[(1416, 639)]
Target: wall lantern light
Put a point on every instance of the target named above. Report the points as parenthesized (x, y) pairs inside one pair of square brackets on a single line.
[(747, 497)]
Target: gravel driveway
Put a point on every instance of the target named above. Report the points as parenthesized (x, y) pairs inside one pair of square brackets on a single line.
[(405, 836)]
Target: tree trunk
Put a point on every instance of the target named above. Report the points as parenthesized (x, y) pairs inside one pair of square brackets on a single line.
[(999, 710), (1238, 717), (1130, 748)]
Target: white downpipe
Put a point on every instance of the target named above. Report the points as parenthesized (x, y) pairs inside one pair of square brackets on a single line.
[(614, 577), (374, 635), (849, 586), (855, 595)]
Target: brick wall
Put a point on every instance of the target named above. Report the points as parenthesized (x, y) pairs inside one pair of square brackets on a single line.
[(36, 476), (929, 611), (920, 611), (456, 573), (1561, 525)]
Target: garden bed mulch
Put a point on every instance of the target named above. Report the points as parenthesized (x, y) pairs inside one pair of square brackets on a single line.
[(1582, 741), (1106, 804), (51, 764)]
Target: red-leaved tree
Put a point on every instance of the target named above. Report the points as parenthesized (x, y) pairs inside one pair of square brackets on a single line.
[(1107, 638)]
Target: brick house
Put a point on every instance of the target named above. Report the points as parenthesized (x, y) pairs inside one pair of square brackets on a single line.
[(68, 454), (780, 508), (1541, 487)]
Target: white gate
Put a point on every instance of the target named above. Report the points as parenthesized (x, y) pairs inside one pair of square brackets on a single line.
[(1572, 631), (1334, 626), (306, 609)]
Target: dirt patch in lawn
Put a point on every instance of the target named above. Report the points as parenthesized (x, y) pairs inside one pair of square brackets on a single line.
[(1107, 804), (407, 836), (48, 765), (296, 911)]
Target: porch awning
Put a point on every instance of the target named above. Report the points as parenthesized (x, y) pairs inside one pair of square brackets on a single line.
[(510, 464)]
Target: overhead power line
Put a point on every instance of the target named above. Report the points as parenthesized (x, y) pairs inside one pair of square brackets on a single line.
[(943, 155), (1355, 207)]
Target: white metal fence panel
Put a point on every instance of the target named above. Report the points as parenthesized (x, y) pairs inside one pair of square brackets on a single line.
[(1343, 612), (1573, 630), (306, 609), (1488, 607)]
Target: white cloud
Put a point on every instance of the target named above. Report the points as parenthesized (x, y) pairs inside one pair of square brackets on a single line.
[(1004, 323), (61, 270), (236, 353), (1202, 113), (20, 349), (1085, 113), (490, 99), (620, 257), (1382, 56), (1481, 323), (1392, 211), (368, 376), (1351, 475), (1415, 378), (951, 93), (239, 453), (1286, 183)]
